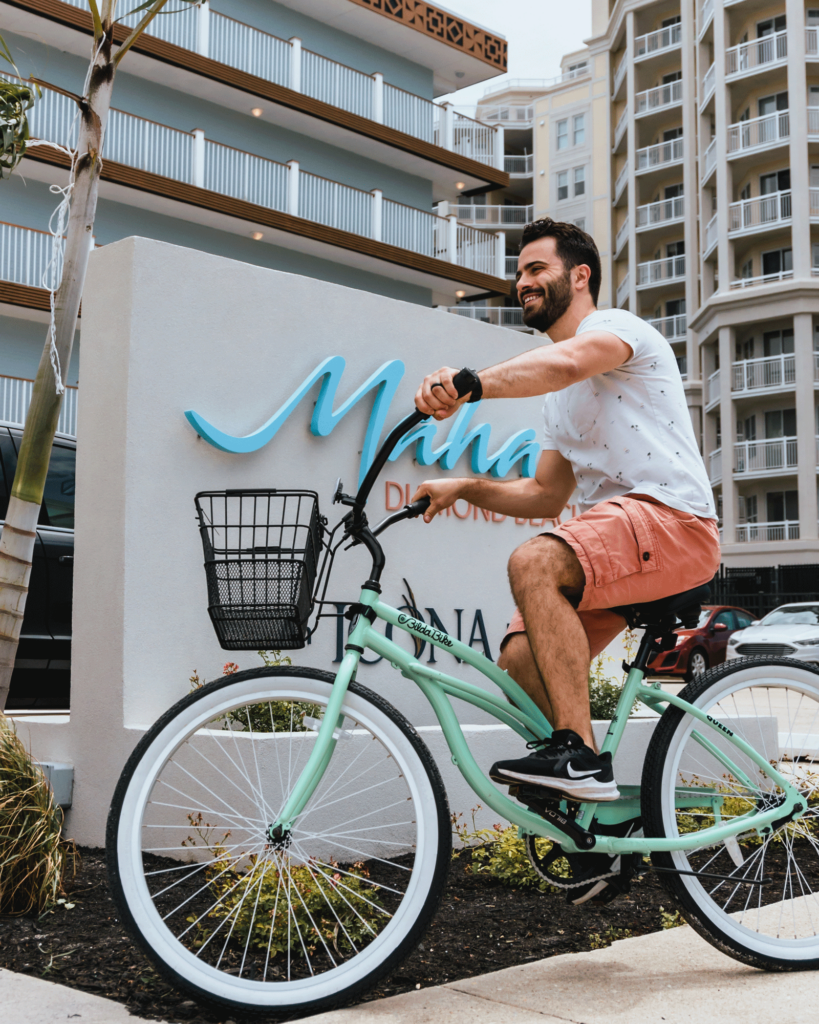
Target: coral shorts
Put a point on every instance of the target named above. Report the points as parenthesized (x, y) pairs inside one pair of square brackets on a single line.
[(633, 550)]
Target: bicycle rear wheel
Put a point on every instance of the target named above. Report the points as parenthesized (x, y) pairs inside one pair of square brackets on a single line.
[(773, 704), (293, 926)]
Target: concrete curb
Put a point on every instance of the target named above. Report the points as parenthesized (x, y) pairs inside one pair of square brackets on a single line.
[(27, 1000)]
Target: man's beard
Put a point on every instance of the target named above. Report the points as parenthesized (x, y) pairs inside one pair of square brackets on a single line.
[(554, 302)]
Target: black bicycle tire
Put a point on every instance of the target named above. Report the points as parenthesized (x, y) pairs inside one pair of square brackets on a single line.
[(413, 936), (651, 801)]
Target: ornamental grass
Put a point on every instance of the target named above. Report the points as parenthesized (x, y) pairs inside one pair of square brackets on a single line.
[(33, 855)]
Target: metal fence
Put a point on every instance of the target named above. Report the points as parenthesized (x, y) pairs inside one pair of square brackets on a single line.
[(760, 589)]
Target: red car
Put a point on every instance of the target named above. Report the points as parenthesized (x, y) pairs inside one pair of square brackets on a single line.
[(699, 648)]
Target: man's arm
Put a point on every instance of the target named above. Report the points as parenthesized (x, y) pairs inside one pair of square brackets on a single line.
[(536, 372), (542, 497)]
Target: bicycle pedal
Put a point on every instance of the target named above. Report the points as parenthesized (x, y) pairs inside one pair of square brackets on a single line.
[(546, 803)]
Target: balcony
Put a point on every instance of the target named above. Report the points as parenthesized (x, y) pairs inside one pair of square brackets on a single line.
[(761, 458), (759, 133), (511, 267), (715, 466), (666, 211), (620, 130), (750, 216), (711, 236), (492, 216), (663, 154), (15, 398), (266, 185), (662, 97), (620, 183), (768, 373), (581, 70), (500, 316), (747, 533), (709, 161), (706, 16), (519, 166), (661, 41), (622, 237), (812, 43), (709, 80), (748, 58), (663, 271), (712, 389), (672, 328), (752, 282), (510, 116), (620, 75), (286, 63), (622, 291)]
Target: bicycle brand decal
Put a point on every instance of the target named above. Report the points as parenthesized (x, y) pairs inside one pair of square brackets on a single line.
[(424, 630), (520, 447), (719, 725)]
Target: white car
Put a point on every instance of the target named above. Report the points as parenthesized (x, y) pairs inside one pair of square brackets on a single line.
[(791, 631)]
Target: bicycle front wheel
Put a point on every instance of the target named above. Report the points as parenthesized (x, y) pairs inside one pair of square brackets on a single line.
[(302, 923), (763, 906)]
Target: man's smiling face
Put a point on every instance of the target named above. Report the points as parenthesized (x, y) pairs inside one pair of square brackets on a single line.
[(544, 285)]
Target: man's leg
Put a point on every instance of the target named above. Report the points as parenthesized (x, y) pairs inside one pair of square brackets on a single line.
[(517, 659), (546, 575)]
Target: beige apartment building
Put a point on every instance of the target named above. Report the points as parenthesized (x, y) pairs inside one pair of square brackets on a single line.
[(685, 137)]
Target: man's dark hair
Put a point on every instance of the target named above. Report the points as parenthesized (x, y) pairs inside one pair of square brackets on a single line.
[(572, 244)]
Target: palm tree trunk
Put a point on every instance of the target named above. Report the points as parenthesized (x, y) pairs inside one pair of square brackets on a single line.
[(19, 532)]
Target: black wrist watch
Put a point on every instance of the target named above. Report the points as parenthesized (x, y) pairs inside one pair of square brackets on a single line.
[(470, 381)]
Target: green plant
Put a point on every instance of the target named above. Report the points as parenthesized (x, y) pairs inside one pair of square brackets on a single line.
[(604, 692), (671, 918), (611, 934), (272, 716), (278, 904), (33, 855), (15, 102)]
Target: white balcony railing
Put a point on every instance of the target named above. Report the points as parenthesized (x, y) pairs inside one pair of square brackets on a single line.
[(711, 235), (813, 199), (654, 272), (715, 466), (511, 265), (663, 212), (761, 212), (493, 216), (580, 70), (620, 183), (747, 57), (672, 328), (622, 125), (509, 115), (286, 63), (767, 372), (500, 316), (657, 42), (709, 160), (750, 532), (519, 166), (15, 398), (813, 123), (620, 73), (623, 290), (659, 98), (759, 132), (25, 255), (622, 236), (191, 158), (706, 14), (709, 80), (811, 43), (752, 282), (713, 388), (660, 155), (767, 456)]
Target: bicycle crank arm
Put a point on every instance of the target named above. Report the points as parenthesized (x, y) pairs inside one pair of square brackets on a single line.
[(710, 874)]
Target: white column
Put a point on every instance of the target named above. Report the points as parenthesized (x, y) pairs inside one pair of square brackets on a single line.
[(800, 164), (500, 254), (198, 161), (805, 415), (447, 127), (729, 427), (442, 209), (203, 29), (378, 210), (631, 157), (452, 239), (378, 98), (500, 147), (293, 188), (723, 116), (295, 63), (690, 183)]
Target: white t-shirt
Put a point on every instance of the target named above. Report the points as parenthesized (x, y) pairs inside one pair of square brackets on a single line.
[(629, 431)]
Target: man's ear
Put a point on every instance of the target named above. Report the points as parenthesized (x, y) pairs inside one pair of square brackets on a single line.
[(582, 274)]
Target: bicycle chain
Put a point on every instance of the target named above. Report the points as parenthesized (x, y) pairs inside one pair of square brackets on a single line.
[(560, 884)]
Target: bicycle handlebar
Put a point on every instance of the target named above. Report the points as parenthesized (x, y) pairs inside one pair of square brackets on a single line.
[(417, 508)]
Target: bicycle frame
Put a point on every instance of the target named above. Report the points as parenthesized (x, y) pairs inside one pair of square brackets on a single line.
[(524, 718)]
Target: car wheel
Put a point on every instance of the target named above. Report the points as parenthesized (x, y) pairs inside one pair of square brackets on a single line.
[(697, 664)]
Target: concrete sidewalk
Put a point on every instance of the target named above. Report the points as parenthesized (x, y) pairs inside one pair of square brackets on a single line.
[(673, 977)]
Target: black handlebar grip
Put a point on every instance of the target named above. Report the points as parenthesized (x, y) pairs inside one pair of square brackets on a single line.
[(463, 383), (418, 508)]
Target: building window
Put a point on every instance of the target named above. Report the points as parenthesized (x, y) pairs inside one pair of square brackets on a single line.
[(778, 343), (747, 271), (563, 185), (580, 181), (579, 129), (777, 261), (782, 506), (562, 134), (780, 423), (580, 223)]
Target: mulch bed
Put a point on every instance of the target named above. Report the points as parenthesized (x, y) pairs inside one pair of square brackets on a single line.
[(482, 926)]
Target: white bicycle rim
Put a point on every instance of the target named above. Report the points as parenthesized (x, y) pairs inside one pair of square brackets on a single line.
[(190, 722)]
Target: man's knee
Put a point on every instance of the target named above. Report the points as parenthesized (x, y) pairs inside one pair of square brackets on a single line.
[(546, 558), (515, 652)]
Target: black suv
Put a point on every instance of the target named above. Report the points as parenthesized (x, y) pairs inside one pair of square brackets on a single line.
[(42, 672)]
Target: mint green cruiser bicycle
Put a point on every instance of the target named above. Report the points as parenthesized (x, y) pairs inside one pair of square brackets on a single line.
[(279, 840)]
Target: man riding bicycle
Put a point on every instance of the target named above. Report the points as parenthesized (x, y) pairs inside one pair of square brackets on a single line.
[(617, 429)]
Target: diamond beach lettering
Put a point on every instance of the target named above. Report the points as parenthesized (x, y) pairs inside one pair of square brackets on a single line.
[(424, 630)]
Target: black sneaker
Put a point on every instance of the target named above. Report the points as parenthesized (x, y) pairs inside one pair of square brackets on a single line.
[(565, 763)]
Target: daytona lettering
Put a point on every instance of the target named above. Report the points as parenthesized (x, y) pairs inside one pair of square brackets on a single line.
[(425, 630)]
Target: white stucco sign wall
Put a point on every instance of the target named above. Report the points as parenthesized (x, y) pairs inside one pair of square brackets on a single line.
[(167, 330)]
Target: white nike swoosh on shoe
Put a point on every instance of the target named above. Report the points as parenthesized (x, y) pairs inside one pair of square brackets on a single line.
[(581, 775)]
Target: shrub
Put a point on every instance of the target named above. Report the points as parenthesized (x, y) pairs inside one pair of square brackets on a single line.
[(33, 855), (604, 691)]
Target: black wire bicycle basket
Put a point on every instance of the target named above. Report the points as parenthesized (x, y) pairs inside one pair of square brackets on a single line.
[(262, 554)]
